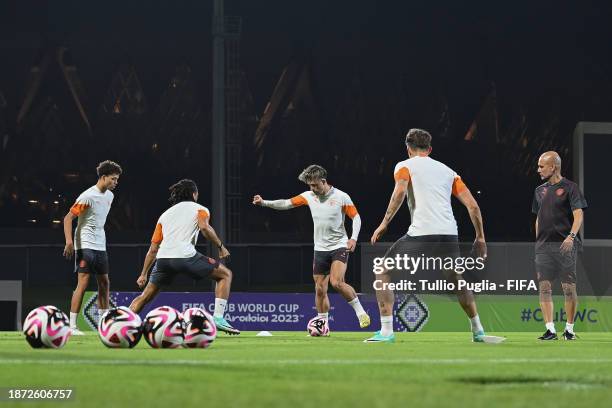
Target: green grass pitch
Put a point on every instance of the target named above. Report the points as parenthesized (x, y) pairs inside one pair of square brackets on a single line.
[(293, 370)]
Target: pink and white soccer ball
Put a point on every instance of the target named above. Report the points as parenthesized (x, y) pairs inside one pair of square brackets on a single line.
[(120, 327), (48, 327), (317, 326), (163, 328), (200, 329)]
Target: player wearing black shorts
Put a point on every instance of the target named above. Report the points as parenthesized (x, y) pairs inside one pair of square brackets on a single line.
[(558, 204), (91, 208), (428, 185), (173, 252), (328, 207)]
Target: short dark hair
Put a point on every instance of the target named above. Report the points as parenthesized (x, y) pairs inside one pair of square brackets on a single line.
[(107, 168), (182, 191), (418, 139), (311, 173)]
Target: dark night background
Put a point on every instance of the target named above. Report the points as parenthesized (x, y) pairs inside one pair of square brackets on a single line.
[(496, 84)]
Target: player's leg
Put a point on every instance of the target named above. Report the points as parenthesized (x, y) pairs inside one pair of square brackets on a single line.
[(571, 303), (103, 283), (77, 301), (336, 278), (83, 262), (103, 293), (545, 268), (147, 295), (321, 265), (448, 247), (568, 283), (222, 275), (321, 299), (321, 282), (386, 298), (468, 304)]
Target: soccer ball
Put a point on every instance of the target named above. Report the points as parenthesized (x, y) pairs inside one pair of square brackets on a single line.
[(317, 326), (163, 328), (119, 327), (200, 329), (47, 327)]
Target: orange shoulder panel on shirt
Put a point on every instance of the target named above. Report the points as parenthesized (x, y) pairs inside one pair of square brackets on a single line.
[(77, 209), (157, 234), (203, 214), (458, 186), (350, 210), (298, 201), (402, 174)]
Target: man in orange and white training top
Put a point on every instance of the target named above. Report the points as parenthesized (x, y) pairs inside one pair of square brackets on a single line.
[(328, 206), (173, 252), (91, 208), (429, 185)]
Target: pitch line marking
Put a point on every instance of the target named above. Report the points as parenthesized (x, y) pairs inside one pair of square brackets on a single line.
[(457, 361)]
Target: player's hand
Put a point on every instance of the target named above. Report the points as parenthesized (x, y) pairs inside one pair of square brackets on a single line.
[(257, 200), (480, 248), (141, 281), (380, 231), (68, 250), (567, 245), (351, 244), (224, 253)]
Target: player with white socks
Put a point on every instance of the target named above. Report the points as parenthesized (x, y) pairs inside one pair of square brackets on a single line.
[(91, 208), (328, 207), (173, 251), (429, 185)]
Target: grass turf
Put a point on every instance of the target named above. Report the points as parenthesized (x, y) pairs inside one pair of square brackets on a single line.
[(292, 370)]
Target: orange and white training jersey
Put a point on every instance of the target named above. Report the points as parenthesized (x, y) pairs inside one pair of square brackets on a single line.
[(328, 217), (431, 184), (92, 207), (177, 230)]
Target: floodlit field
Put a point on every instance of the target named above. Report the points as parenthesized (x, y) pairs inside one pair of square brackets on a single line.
[(291, 370)]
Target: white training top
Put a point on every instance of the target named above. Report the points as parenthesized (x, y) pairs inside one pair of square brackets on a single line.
[(177, 230), (328, 217), (92, 207), (431, 184)]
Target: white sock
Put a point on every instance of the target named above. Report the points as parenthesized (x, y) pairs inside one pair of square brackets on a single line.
[(324, 315), (476, 325), (356, 305), (569, 327), (220, 305), (551, 326), (386, 325), (73, 320)]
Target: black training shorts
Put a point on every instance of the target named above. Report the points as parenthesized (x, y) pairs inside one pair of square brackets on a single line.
[(322, 260), (91, 261), (552, 264), (196, 267)]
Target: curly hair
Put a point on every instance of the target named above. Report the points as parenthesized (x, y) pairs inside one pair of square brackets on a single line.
[(182, 191), (108, 168)]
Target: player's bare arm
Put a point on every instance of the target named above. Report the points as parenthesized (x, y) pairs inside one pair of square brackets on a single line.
[(568, 242), (467, 199), (211, 235), (148, 262), (397, 198), (69, 248)]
